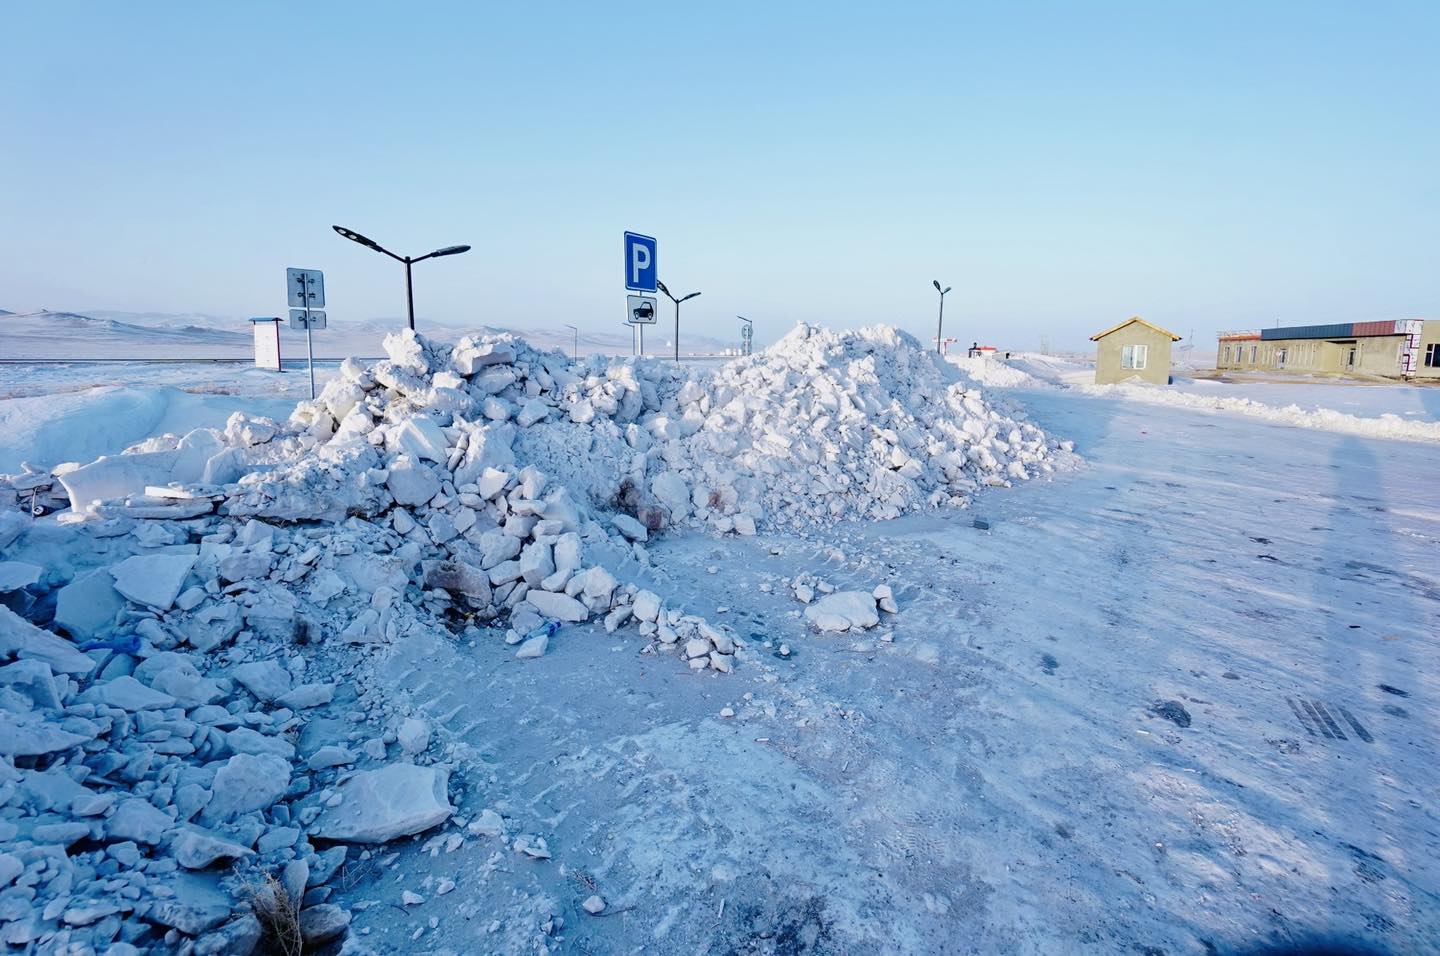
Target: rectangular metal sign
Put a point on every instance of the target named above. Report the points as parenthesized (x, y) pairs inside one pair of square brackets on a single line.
[(267, 343), (640, 310), (640, 269), (306, 287), (297, 319)]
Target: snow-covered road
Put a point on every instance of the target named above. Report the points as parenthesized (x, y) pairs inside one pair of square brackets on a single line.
[(1175, 701)]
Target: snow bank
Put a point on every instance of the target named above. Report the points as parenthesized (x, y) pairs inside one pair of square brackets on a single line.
[(1033, 370), (1054, 369), (1385, 426), (993, 372), (79, 426)]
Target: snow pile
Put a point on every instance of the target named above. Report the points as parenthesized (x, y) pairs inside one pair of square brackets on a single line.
[(188, 653), (1325, 419), (993, 372), (828, 425), (1054, 369)]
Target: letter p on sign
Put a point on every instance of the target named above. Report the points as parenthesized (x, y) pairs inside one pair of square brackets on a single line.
[(640, 273)]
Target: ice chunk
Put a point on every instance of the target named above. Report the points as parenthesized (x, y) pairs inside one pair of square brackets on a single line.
[(413, 736), (127, 693), (671, 491), (15, 575), (534, 411), (196, 848), (843, 610), (419, 436), (558, 606), (647, 605), (152, 579), (470, 356), (135, 819), (381, 805), (88, 605), (629, 527), (410, 482), (266, 679), (534, 647), (20, 638), (116, 477)]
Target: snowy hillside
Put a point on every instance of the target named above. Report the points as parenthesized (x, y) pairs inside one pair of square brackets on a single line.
[(69, 335), (164, 320)]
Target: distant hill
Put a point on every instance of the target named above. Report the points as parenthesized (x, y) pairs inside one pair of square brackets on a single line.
[(103, 333), (165, 320), (46, 334)]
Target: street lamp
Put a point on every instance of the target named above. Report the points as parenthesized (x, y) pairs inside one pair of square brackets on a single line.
[(354, 236), (677, 302), (577, 340), (939, 328)]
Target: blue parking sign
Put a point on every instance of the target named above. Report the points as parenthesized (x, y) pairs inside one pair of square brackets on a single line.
[(640, 272)]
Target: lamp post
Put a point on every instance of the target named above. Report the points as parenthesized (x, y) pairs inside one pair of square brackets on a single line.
[(940, 326), (354, 236), (677, 302), (577, 340)]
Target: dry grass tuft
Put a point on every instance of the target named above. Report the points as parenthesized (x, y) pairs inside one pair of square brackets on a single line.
[(279, 915)]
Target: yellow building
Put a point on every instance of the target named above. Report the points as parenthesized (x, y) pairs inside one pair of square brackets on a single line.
[(1394, 348), (1133, 351)]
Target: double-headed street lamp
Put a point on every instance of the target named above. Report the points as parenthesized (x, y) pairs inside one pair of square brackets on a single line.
[(677, 302), (940, 326), (354, 236)]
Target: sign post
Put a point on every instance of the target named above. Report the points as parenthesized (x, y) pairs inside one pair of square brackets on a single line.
[(641, 273), (307, 291)]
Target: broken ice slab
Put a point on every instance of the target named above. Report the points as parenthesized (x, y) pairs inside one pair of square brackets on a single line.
[(157, 508), (171, 492), (381, 805)]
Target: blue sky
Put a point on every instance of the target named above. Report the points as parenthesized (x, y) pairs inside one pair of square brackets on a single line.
[(1205, 165)]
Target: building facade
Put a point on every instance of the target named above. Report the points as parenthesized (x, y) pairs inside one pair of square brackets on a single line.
[(1396, 348), (1133, 351)]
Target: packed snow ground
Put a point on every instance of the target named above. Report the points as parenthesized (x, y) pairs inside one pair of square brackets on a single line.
[(1096, 728), (1111, 722)]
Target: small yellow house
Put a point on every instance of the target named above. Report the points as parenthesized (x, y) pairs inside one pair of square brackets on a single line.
[(1133, 351)]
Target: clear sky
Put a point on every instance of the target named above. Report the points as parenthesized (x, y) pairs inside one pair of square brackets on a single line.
[(1206, 165)]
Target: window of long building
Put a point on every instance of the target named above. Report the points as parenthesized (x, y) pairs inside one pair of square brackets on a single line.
[(1432, 355)]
